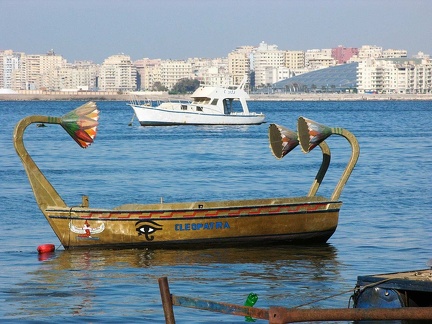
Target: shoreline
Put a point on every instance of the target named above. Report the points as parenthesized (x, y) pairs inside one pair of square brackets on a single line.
[(94, 96)]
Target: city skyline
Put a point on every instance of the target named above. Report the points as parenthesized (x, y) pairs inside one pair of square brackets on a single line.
[(94, 30)]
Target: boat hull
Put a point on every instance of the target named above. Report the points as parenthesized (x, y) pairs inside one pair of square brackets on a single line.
[(153, 116), (201, 224)]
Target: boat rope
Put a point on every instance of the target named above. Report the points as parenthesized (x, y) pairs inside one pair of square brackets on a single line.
[(321, 299), (356, 292), (358, 289)]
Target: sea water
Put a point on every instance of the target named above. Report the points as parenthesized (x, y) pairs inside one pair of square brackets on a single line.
[(384, 224)]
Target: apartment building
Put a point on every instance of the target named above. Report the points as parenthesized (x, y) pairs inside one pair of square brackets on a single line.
[(369, 51), (12, 70), (276, 74), (319, 58), (392, 53), (81, 75), (213, 72), (343, 54), (172, 71), (117, 73), (30, 72), (148, 73), (239, 63), (379, 70), (295, 60), (395, 75), (264, 57)]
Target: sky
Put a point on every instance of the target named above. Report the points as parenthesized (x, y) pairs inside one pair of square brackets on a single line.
[(179, 29)]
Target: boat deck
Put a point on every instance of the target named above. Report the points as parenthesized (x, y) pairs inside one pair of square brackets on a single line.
[(418, 280), (393, 290)]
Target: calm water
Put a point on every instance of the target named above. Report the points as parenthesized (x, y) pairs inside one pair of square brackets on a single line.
[(385, 221)]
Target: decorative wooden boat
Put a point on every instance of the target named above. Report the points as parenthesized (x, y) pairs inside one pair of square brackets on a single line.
[(210, 106), (192, 224)]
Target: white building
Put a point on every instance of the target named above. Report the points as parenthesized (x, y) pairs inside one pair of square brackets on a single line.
[(117, 73), (393, 53), (266, 56), (319, 58), (397, 75), (81, 75), (12, 70), (172, 71)]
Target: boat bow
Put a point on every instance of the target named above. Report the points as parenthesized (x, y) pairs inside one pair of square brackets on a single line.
[(81, 125)]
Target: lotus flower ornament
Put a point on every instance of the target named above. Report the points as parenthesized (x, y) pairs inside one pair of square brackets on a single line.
[(81, 124), (311, 133), (282, 140)]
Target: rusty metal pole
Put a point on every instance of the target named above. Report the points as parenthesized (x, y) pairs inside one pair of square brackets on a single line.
[(279, 315), (166, 300)]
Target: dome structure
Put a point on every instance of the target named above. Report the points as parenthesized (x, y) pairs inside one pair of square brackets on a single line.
[(332, 79)]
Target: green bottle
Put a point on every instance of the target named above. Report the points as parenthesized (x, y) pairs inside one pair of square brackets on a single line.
[(250, 301)]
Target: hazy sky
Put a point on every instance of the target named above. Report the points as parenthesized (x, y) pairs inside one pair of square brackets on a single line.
[(179, 29)]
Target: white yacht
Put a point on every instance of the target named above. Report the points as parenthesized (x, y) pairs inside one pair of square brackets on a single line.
[(209, 106)]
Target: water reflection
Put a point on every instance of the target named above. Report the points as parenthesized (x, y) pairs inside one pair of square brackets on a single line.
[(92, 282), (137, 258)]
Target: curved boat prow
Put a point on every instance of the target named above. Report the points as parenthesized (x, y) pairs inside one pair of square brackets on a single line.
[(81, 124), (283, 140), (312, 134)]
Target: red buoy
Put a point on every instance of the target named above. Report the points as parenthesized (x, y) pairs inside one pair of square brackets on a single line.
[(44, 248)]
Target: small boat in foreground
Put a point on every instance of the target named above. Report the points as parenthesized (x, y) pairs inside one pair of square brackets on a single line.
[(190, 224), (380, 311), (209, 106)]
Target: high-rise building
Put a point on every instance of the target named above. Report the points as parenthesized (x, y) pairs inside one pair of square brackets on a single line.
[(174, 70), (319, 58), (396, 75), (117, 73), (239, 63), (294, 59), (264, 57), (148, 73)]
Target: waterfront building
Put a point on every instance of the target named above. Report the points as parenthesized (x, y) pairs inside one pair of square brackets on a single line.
[(239, 63), (295, 60), (319, 58), (370, 75), (172, 71), (12, 70), (383, 71), (277, 74), (42, 71), (392, 53), (369, 51), (79, 76), (339, 78), (148, 73), (395, 75), (212, 72), (216, 76), (117, 73), (266, 56)]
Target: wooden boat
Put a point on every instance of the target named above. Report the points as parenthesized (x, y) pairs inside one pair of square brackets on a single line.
[(210, 106), (189, 224)]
